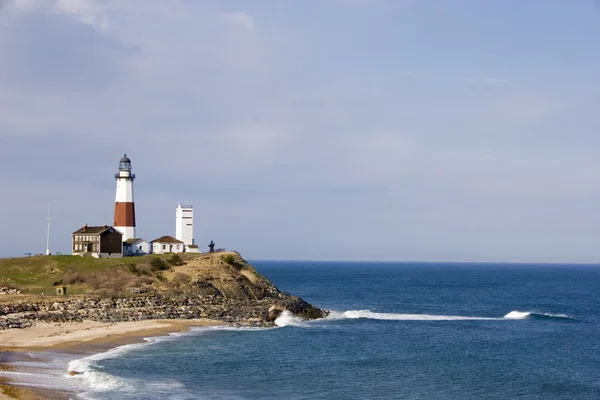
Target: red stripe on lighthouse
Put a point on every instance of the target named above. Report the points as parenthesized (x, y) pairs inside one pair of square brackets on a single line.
[(124, 214)]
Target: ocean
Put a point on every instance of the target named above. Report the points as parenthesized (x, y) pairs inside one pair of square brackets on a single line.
[(396, 331)]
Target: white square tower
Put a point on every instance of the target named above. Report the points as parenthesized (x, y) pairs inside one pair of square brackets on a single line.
[(184, 224)]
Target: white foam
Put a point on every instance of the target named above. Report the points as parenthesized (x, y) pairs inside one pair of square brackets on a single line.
[(517, 315), (93, 378), (194, 331), (527, 314), (333, 315), (97, 380), (287, 319), (556, 315), (353, 314)]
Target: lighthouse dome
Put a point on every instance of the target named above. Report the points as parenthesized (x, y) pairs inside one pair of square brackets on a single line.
[(125, 163)]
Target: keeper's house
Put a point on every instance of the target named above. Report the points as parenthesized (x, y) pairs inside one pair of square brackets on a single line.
[(167, 244), (98, 241), (136, 247)]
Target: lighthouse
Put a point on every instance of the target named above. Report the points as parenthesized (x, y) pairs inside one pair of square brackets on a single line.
[(184, 224), (124, 206)]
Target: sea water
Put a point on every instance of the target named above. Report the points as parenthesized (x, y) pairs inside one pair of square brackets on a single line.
[(396, 331)]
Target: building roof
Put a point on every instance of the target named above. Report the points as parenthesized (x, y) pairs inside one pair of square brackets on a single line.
[(166, 239), (93, 230), (193, 246), (133, 240), (125, 159)]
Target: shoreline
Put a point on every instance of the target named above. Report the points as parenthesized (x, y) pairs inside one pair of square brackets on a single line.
[(61, 335), (77, 338)]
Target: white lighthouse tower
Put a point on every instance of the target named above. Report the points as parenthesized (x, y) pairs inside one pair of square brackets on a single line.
[(184, 224), (124, 206)]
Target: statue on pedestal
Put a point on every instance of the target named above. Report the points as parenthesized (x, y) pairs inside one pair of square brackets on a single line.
[(211, 246)]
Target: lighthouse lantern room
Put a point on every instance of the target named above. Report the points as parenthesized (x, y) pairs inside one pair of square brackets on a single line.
[(124, 205)]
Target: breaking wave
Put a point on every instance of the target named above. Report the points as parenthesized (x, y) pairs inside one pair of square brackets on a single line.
[(513, 315), (354, 314), (93, 379), (96, 379), (535, 315), (287, 319)]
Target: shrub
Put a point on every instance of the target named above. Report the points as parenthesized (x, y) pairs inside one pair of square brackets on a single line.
[(134, 269), (235, 261), (114, 280), (145, 269), (73, 276), (158, 264), (141, 281), (175, 260)]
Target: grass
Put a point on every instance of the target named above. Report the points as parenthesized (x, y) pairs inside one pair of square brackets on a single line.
[(38, 273)]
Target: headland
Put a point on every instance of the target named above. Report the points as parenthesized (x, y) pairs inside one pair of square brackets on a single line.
[(110, 302)]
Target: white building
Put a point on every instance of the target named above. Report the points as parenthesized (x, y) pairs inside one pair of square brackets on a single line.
[(184, 227), (167, 244), (135, 247)]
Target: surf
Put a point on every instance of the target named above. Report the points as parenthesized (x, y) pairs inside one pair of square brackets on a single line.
[(537, 315), (356, 314), (512, 315), (286, 318)]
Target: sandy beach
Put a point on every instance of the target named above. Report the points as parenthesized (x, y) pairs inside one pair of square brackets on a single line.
[(61, 335), (78, 336)]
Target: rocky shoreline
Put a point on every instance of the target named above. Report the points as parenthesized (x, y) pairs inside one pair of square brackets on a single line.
[(261, 312)]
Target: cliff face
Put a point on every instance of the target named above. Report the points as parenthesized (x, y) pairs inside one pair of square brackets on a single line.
[(224, 274), (229, 276)]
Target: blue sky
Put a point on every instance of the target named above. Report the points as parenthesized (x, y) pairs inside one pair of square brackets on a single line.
[(332, 129)]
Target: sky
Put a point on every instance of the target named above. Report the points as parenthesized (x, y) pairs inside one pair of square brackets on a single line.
[(429, 130)]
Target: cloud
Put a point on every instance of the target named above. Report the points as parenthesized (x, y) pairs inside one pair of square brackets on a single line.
[(86, 11), (89, 12), (294, 137), (240, 18), (71, 55)]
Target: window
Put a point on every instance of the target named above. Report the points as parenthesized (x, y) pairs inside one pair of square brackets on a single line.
[(164, 246)]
